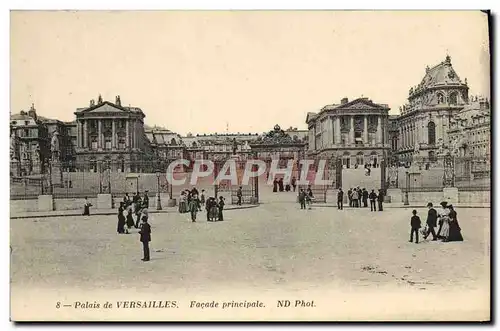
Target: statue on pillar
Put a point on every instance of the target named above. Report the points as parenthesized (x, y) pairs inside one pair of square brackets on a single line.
[(13, 146), (54, 146)]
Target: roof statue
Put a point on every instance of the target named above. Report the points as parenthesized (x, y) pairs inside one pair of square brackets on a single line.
[(99, 100), (92, 103)]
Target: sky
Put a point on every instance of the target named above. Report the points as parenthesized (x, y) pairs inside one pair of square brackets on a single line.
[(236, 71)]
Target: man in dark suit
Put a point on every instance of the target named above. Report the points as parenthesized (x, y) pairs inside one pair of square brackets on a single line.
[(145, 200), (373, 198), (431, 222), (380, 200), (340, 199), (302, 199), (365, 197), (145, 233)]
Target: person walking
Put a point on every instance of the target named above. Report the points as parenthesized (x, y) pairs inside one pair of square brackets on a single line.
[(221, 208), (302, 199), (455, 230), (294, 183), (431, 222), (280, 185), (354, 197), (373, 198), (239, 195), (86, 207), (202, 198), (360, 196), (340, 199), (380, 199), (121, 219), (309, 197), (349, 196), (145, 200), (145, 238), (193, 207), (415, 224)]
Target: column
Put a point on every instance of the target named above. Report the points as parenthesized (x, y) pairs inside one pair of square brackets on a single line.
[(379, 131), (127, 132), (425, 132), (351, 130), (78, 134), (332, 132), (85, 134), (338, 134), (113, 137), (365, 131), (99, 134)]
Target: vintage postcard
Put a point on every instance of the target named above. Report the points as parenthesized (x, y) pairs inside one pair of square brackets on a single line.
[(250, 166)]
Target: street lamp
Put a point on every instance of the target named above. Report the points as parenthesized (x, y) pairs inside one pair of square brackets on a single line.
[(406, 202), (158, 199)]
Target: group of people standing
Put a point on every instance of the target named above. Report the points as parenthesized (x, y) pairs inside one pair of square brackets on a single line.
[(306, 197), (447, 219), (190, 201), (279, 185), (359, 198), (137, 206)]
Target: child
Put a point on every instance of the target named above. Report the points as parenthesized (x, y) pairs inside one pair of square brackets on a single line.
[(415, 224)]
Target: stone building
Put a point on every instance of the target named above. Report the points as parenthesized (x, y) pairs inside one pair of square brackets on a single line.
[(393, 131), (425, 120), (110, 135), (470, 130), (355, 131), (32, 140), (165, 144)]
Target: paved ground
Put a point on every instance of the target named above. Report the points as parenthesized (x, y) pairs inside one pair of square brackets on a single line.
[(275, 246)]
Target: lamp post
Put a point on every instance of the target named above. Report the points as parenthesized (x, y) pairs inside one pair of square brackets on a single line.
[(158, 199), (407, 202)]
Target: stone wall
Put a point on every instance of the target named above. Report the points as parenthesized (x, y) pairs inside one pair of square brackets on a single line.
[(474, 196)]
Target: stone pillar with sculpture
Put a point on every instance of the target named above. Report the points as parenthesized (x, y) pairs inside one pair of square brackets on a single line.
[(14, 161), (55, 162)]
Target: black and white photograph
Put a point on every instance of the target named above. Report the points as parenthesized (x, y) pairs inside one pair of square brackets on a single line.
[(250, 165)]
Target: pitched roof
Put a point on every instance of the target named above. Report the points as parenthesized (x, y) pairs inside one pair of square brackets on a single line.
[(442, 73)]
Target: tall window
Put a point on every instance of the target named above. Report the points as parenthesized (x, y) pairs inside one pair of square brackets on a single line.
[(431, 131), (107, 141), (440, 98), (453, 98)]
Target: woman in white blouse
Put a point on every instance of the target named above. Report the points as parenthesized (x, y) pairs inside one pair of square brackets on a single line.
[(444, 220)]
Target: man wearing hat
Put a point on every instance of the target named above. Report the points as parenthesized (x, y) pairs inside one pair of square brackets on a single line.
[(431, 222), (145, 233)]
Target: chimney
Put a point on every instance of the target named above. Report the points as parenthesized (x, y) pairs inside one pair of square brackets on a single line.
[(344, 101), (32, 112)]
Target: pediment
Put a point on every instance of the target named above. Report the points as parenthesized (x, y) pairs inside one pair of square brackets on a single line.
[(361, 104), (105, 107)]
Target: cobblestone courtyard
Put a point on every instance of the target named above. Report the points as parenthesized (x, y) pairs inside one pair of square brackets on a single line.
[(275, 246)]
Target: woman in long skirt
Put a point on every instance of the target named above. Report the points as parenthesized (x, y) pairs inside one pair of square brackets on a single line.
[(121, 220), (130, 218), (86, 207), (444, 219), (455, 231)]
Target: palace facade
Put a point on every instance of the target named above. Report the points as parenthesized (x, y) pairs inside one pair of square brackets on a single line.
[(424, 121), (355, 131), (110, 135)]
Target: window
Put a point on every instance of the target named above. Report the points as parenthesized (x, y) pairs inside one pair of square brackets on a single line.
[(107, 142), (26, 132), (431, 131), (453, 98), (93, 143), (440, 98)]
